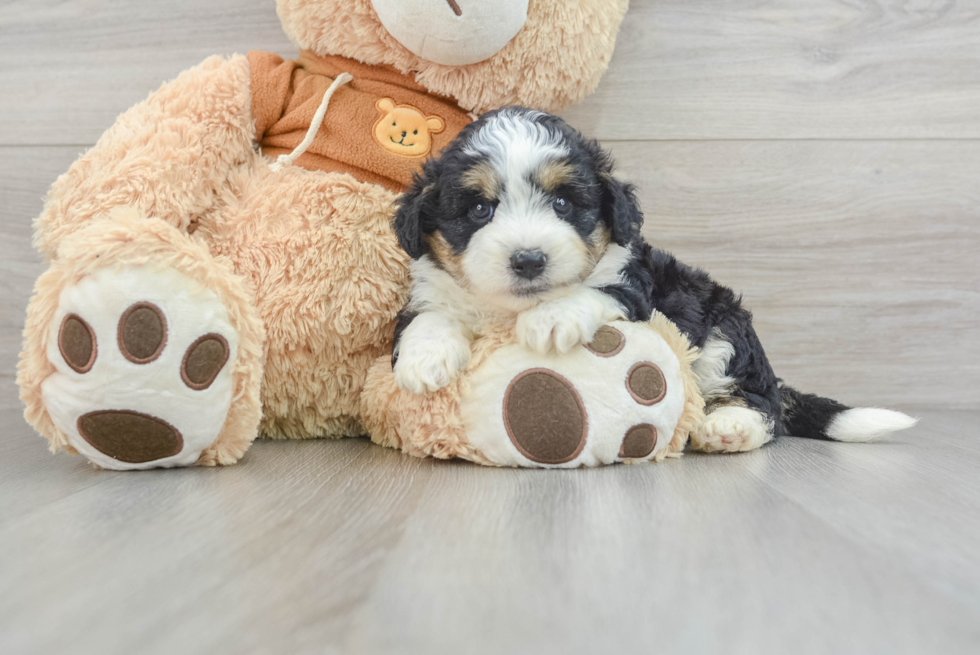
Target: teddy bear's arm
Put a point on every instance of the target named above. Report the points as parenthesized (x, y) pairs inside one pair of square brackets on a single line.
[(168, 156)]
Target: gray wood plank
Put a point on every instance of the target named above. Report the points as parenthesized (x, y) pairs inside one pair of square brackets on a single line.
[(858, 259), (791, 69), (68, 68), (346, 547), (25, 176), (746, 69)]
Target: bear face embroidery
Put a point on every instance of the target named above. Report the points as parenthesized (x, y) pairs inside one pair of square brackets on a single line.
[(404, 130)]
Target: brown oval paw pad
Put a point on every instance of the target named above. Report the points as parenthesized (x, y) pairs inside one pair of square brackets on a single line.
[(545, 417), (76, 341), (129, 436), (203, 361), (142, 333), (608, 342), (646, 383), (639, 442)]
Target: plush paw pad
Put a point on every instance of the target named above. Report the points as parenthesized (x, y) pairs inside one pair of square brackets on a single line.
[(76, 341), (607, 342), (142, 333), (645, 382), (600, 403), (544, 417), (203, 361), (111, 433), (640, 442), (142, 376)]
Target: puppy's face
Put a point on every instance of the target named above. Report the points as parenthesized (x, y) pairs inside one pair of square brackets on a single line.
[(518, 206)]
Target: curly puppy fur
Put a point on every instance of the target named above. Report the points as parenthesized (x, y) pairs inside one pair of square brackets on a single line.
[(521, 216)]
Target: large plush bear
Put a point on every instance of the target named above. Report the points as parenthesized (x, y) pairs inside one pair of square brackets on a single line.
[(222, 264)]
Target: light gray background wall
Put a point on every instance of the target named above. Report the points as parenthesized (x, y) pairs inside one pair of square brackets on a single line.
[(821, 156)]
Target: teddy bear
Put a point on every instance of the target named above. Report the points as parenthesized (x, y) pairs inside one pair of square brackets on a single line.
[(221, 264)]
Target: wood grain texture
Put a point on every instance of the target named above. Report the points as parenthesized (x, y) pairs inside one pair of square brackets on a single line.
[(25, 176), (68, 68), (791, 69), (745, 69), (858, 259), (803, 547)]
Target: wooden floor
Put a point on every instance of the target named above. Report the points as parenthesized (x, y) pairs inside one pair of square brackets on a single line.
[(822, 156), (802, 547)]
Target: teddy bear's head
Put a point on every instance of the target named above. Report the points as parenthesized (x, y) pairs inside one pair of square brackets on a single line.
[(545, 54)]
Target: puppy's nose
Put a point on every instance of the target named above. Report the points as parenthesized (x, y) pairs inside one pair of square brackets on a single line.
[(404, 134), (528, 264)]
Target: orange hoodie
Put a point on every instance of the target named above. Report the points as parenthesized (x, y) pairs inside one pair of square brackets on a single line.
[(379, 127)]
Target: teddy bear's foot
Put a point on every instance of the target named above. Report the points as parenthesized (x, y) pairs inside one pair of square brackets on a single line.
[(732, 429), (144, 367), (618, 399)]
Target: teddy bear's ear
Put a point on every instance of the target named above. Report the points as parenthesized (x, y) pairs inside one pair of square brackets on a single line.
[(414, 218), (620, 210), (385, 105), (435, 124)]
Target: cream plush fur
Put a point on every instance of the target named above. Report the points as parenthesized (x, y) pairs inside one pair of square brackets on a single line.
[(554, 61), (304, 262)]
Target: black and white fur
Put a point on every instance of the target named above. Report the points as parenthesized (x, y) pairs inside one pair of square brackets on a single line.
[(520, 219)]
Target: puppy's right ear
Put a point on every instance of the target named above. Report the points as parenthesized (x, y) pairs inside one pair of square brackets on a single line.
[(621, 210), (413, 219)]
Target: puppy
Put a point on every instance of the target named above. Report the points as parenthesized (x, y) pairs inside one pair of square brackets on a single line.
[(520, 219)]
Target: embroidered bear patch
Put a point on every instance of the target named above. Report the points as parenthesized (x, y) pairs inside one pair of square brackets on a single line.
[(404, 130)]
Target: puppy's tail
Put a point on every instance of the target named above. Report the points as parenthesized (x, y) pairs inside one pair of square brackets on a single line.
[(813, 417)]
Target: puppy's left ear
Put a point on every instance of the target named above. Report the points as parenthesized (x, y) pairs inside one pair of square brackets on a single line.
[(620, 210), (412, 220)]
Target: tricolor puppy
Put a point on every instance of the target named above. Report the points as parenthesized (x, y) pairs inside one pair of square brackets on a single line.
[(521, 217)]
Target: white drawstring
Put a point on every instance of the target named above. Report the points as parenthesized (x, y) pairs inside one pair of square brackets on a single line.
[(286, 160)]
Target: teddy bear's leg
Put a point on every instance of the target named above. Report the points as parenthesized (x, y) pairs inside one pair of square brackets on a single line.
[(329, 280), (141, 350), (168, 156)]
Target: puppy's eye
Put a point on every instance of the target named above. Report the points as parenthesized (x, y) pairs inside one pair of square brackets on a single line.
[(481, 212), (562, 207), (415, 132)]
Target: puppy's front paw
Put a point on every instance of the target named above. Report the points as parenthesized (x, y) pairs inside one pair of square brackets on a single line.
[(428, 364), (558, 325)]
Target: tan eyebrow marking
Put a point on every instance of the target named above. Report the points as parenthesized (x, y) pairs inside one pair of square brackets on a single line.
[(483, 178), (554, 174), (455, 6)]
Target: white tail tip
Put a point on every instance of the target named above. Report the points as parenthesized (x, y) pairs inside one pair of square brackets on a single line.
[(867, 424)]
